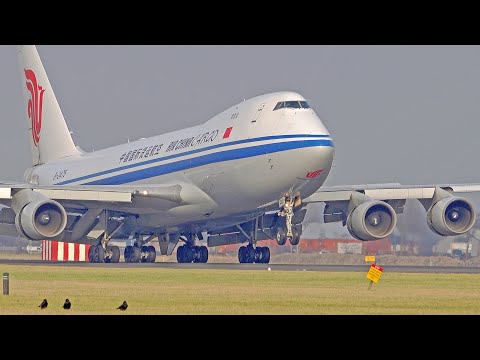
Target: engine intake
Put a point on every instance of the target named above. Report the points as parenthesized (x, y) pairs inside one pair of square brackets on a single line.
[(451, 216), (38, 217), (371, 220)]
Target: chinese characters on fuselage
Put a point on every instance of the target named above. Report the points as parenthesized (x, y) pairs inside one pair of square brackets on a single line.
[(149, 151)]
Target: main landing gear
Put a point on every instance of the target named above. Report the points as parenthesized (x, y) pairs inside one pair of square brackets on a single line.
[(140, 252), (134, 253), (248, 254), (252, 253), (102, 252), (189, 252)]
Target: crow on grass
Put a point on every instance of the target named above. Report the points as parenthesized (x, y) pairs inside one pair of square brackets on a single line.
[(124, 306)]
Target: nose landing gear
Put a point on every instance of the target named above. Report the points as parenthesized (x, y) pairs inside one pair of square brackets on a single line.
[(288, 204)]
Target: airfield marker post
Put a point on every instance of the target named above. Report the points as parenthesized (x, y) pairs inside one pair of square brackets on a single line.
[(6, 283), (374, 274)]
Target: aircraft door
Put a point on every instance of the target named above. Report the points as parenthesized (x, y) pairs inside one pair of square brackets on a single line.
[(258, 113)]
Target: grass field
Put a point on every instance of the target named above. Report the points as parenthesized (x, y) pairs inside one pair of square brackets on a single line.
[(185, 291)]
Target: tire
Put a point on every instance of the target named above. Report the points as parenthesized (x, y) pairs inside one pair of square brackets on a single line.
[(242, 255), (203, 254), (196, 254), (189, 254), (296, 236), (98, 254), (115, 254), (181, 254), (136, 254), (152, 254), (258, 255), (127, 254), (90, 253), (250, 255), (281, 236), (143, 250), (266, 255)]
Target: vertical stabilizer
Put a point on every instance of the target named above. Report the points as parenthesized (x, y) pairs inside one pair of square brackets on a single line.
[(50, 138)]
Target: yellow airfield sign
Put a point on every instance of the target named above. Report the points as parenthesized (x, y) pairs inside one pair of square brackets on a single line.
[(370, 258), (374, 273)]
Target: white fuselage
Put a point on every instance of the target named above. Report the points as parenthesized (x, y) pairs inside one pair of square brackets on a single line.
[(244, 158)]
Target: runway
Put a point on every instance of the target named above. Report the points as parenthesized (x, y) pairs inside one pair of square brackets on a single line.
[(259, 267)]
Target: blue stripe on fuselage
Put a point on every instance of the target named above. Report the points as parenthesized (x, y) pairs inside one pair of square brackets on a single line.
[(227, 155), (275, 137)]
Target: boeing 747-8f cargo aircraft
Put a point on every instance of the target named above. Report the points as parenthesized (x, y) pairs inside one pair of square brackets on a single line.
[(245, 175)]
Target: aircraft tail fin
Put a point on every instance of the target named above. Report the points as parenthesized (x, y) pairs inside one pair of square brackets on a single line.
[(50, 138)]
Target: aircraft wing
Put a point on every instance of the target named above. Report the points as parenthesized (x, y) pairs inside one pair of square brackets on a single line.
[(392, 191), (98, 195), (448, 214), (78, 208)]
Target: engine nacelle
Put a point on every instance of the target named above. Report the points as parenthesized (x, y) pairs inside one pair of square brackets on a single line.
[(371, 220), (451, 216), (38, 217)]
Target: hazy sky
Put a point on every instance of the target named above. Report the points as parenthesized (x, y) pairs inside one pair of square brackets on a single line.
[(408, 114)]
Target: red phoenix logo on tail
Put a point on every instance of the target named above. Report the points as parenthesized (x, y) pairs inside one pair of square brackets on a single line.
[(35, 104)]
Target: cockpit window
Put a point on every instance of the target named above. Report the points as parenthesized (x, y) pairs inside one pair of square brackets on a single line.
[(304, 105), (280, 105), (291, 105)]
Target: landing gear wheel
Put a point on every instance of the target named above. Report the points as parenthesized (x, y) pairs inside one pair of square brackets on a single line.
[(181, 254), (185, 254), (250, 254), (115, 254), (96, 254), (258, 255), (281, 236), (127, 254), (136, 254), (152, 254), (296, 236), (90, 253), (266, 255), (196, 254), (203, 254), (242, 254), (144, 250)]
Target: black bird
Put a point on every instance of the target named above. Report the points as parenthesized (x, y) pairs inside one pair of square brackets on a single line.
[(67, 304), (124, 306), (44, 304)]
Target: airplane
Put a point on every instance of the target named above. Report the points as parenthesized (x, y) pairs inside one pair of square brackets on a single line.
[(245, 175)]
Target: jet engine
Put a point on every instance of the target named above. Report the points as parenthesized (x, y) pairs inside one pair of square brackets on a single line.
[(38, 217), (451, 216), (371, 220)]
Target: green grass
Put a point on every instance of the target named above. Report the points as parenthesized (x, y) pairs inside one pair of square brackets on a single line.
[(185, 291)]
